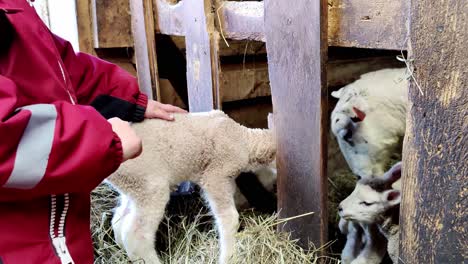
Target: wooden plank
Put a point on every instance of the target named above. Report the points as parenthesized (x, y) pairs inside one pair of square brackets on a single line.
[(200, 50), (112, 24), (141, 47), (243, 20), (297, 51), (244, 81), (85, 26), (151, 44), (378, 24), (169, 17), (433, 221)]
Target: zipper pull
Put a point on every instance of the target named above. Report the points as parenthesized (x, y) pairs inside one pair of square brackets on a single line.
[(62, 250)]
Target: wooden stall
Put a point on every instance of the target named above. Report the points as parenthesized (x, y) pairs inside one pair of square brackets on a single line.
[(296, 65), (434, 207)]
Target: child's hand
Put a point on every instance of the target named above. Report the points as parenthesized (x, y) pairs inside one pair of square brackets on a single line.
[(155, 109), (131, 143)]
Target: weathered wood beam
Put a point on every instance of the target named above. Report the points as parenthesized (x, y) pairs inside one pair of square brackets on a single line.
[(142, 53), (433, 218), (243, 20), (250, 80), (112, 24), (169, 18), (297, 52), (151, 44), (376, 24), (85, 26), (202, 62)]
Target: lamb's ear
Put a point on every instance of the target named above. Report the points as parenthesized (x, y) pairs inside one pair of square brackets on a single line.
[(337, 94), (394, 173), (392, 197)]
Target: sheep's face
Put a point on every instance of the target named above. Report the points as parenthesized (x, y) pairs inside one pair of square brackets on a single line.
[(366, 205), (366, 143), (372, 197)]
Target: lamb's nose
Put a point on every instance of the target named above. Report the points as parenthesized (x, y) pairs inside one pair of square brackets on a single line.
[(340, 209)]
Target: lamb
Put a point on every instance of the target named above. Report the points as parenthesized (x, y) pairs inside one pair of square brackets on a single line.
[(369, 120), (209, 149), (373, 202)]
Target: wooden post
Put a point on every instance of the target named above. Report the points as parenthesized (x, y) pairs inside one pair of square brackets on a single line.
[(145, 46), (435, 158), (85, 26), (296, 40), (202, 62)]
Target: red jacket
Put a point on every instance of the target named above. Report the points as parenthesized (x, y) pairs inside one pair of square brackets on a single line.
[(54, 149)]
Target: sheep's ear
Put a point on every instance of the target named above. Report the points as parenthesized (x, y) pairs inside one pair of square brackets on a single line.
[(392, 197), (394, 173), (337, 94), (360, 115)]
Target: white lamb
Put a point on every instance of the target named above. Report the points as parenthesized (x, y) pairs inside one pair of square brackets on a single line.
[(369, 120), (369, 124), (375, 203), (209, 149)]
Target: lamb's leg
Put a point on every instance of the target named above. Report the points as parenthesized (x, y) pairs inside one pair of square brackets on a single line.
[(140, 226), (393, 247), (375, 247), (120, 215), (354, 241), (220, 196)]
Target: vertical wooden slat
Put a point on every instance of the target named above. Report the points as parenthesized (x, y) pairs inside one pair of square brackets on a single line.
[(433, 218), (143, 52), (151, 44), (296, 40), (200, 54), (85, 26)]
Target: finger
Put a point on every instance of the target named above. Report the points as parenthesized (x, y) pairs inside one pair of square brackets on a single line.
[(161, 114), (172, 108)]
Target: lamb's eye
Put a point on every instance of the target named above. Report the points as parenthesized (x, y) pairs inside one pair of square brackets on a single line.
[(366, 203)]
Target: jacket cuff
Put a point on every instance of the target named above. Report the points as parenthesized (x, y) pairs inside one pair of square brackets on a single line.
[(140, 108), (116, 149)]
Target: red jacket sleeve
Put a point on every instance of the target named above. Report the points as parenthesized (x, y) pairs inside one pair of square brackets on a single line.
[(52, 148), (92, 76)]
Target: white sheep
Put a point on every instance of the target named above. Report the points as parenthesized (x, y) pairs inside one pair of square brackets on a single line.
[(373, 203), (369, 120), (209, 149)]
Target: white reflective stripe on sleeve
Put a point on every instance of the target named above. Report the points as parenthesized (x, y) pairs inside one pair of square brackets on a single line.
[(32, 154)]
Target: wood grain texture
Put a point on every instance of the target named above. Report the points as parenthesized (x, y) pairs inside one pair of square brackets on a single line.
[(377, 24), (85, 26), (112, 24), (169, 17), (243, 20), (435, 184), (151, 44), (199, 56), (141, 47), (297, 50)]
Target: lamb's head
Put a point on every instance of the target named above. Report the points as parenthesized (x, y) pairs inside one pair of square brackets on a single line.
[(368, 134), (371, 198)]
